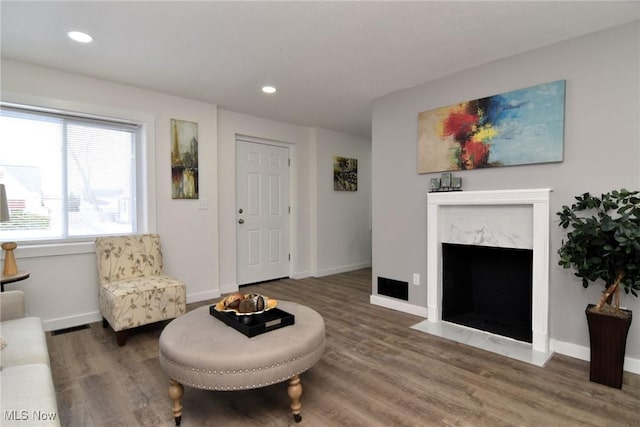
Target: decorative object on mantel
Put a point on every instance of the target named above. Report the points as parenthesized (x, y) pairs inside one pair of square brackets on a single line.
[(604, 244), (513, 128), (184, 159), (345, 174), (10, 266), (446, 182)]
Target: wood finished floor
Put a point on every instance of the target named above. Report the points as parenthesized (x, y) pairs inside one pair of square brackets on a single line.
[(376, 371)]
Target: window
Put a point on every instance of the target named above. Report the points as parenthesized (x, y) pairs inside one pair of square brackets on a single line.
[(67, 177)]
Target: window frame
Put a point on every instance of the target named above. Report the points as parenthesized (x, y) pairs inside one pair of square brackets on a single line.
[(145, 168)]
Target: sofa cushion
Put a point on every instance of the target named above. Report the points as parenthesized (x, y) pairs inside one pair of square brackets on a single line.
[(26, 343), (28, 396), (12, 305)]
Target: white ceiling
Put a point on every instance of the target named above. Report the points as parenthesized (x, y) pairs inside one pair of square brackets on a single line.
[(328, 59)]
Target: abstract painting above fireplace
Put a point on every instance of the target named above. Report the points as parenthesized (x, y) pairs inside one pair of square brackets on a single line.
[(513, 128)]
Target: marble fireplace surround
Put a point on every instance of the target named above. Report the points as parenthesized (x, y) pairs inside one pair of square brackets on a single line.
[(502, 218)]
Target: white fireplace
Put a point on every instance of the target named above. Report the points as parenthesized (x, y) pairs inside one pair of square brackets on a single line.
[(504, 218)]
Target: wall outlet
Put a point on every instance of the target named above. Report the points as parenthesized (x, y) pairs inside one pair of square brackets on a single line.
[(203, 204), (416, 279)]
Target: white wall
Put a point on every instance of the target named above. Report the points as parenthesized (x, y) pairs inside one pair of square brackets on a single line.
[(344, 217), (62, 289), (199, 246), (298, 138), (310, 209), (601, 153)]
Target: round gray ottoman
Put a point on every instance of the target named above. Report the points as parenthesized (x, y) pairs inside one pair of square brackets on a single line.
[(200, 351)]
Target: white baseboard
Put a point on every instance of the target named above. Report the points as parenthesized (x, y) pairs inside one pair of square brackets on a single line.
[(342, 269), (85, 318), (632, 365), (300, 275), (227, 289), (395, 304), (203, 296), (569, 349), (584, 353), (71, 321)]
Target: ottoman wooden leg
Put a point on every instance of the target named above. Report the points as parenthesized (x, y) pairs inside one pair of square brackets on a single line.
[(175, 393), (295, 391)]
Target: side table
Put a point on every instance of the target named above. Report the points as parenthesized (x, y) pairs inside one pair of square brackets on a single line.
[(10, 278)]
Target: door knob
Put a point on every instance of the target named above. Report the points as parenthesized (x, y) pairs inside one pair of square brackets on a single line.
[(240, 210), (241, 221)]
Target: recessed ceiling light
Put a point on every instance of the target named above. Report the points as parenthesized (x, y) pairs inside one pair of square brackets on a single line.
[(268, 89), (80, 36)]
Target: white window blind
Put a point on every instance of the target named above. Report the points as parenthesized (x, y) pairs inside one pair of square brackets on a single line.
[(67, 177)]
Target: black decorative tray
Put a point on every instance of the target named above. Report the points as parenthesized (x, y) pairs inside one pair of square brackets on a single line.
[(255, 324)]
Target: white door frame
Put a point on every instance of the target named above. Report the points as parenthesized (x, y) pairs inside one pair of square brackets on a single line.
[(292, 196)]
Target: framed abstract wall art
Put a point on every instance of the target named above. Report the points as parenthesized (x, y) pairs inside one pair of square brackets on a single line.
[(184, 159), (520, 127), (345, 174)]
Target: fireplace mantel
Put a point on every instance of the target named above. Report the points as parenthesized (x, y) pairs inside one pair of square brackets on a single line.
[(534, 200)]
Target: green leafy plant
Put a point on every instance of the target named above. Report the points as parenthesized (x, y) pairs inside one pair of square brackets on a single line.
[(604, 242)]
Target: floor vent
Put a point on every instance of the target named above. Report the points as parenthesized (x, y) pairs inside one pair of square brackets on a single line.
[(72, 329), (393, 288)]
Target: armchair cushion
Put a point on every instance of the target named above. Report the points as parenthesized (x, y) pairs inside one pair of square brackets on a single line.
[(135, 302)]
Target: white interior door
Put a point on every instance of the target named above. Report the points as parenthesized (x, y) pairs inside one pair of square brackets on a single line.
[(262, 211)]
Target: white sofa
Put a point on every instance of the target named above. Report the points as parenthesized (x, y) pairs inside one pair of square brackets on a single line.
[(27, 397)]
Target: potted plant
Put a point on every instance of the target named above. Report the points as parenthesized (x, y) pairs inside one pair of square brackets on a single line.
[(603, 244)]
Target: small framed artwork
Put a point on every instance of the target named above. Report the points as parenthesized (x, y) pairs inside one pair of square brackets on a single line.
[(456, 183), (184, 159), (435, 184), (345, 174), (445, 180)]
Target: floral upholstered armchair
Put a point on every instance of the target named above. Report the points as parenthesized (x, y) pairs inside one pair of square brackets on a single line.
[(134, 290)]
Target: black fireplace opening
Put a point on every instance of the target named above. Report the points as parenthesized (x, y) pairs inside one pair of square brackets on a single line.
[(488, 288)]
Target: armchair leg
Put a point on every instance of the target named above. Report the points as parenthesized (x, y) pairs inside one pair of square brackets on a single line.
[(121, 337)]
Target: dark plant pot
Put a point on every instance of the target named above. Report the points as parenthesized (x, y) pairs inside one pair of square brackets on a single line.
[(608, 337)]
